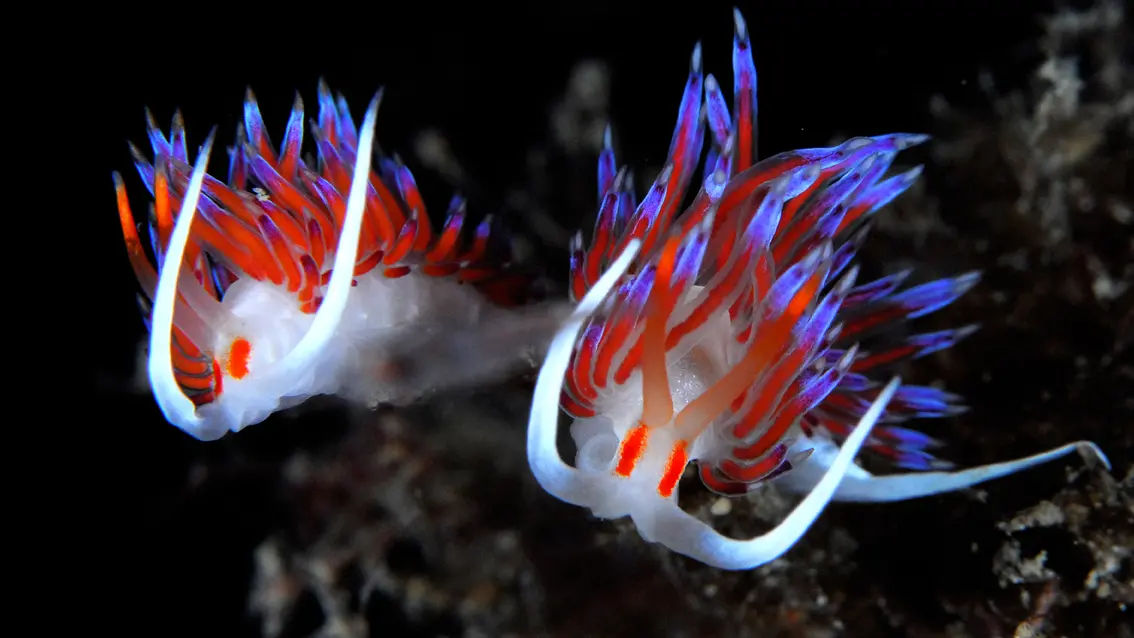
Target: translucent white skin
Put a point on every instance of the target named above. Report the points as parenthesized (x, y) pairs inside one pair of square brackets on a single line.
[(828, 474), (294, 355), (378, 312)]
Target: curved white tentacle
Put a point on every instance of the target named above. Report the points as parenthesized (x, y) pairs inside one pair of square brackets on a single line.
[(299, 361), (176, 407), (687, 535), (862, 486), (555, 476)]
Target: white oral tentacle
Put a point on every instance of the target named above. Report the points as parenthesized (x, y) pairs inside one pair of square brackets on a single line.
[(296, 363), (176, 407), (688, 535), (556, 477)]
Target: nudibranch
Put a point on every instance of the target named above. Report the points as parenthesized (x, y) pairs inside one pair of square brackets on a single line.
[(728, 336), (277, 285)]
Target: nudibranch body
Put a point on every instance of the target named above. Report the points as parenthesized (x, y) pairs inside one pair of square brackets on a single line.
[(265, 296), (731, 339)]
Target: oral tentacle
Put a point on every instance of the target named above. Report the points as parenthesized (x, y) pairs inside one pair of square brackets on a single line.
[(687, 535), (556, 477), (330, 313), (177, 408)]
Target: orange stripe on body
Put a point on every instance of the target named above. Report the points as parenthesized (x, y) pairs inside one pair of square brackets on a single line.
[(632, 449), (236, 363), (674, 468)]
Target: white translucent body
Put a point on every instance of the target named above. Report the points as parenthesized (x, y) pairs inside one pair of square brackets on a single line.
[(828, 474), (619, 408), (378, 311)]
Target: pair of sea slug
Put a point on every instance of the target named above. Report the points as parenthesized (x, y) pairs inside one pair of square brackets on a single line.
[(728, 333)]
